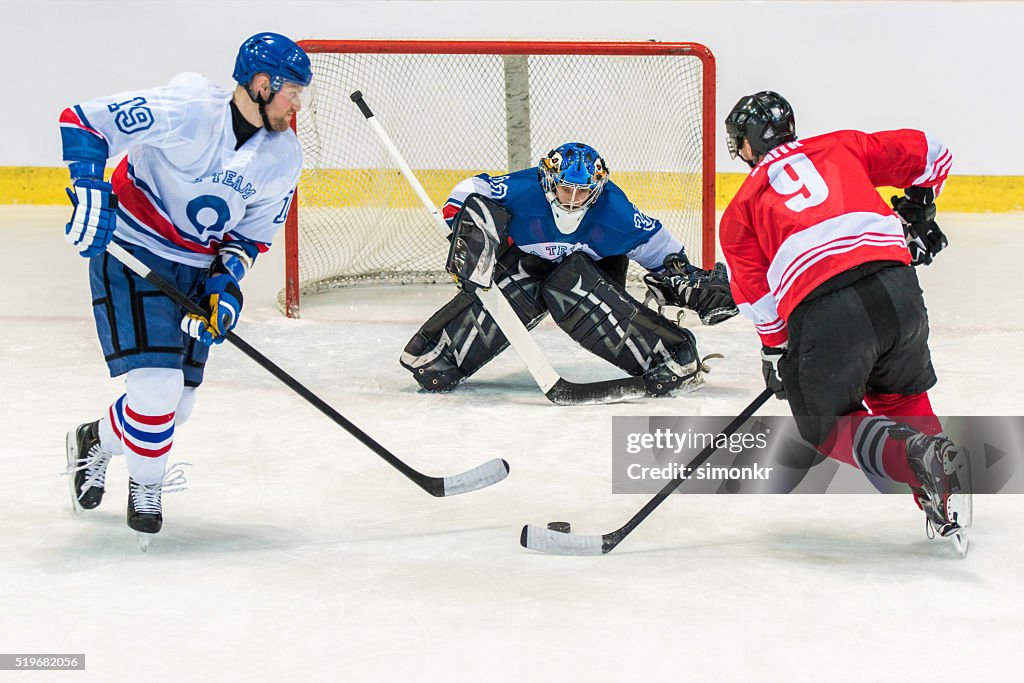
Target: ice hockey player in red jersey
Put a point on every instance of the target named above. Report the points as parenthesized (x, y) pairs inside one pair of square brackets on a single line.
[(825, 269)]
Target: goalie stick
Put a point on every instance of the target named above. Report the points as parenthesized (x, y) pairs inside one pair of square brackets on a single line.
[(491, 472), (554, 542), (558, 390)]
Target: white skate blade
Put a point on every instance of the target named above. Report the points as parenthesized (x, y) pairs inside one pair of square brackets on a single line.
[(144, 540), (71, 448), (960, 541)]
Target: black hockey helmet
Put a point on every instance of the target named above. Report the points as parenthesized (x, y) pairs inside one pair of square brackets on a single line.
[(765, 119)]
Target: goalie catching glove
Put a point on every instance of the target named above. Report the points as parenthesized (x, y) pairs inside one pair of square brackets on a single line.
[(478, 233), (917, 211), (682, 284), (221, 298)]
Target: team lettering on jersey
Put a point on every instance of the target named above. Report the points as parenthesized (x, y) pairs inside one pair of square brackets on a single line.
[(776, 153), (235, 180)]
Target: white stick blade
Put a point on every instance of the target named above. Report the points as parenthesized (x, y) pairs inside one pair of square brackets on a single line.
[(491, 472), (545, 540)]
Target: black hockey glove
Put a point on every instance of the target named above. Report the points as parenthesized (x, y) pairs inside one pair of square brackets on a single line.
[(478, 233), (924, 238), (770, 357), (682, 284)]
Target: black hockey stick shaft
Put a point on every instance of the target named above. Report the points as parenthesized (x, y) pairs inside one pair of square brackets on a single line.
[(614, 538), (555, 542), (432, 485)]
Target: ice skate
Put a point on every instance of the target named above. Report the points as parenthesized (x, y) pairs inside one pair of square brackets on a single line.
[(87, 466), (945, 491), (672, 377), (145, 504)]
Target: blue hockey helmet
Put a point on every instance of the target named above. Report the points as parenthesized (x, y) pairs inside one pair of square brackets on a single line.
[(764, 119), (275, 55), (575, 168)]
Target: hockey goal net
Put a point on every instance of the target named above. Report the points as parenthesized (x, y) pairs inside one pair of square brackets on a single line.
[(458, 108)]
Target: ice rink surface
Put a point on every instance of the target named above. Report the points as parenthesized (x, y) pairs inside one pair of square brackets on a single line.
[(297, 553)]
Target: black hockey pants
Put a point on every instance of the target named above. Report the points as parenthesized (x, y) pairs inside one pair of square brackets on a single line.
[(863, 332)]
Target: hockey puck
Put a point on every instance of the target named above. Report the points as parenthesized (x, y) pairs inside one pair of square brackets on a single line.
[(561, 527)]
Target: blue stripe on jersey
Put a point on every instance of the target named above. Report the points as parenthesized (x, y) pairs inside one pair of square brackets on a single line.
[(144, 186), (254, 251), (82, 117), (451, 202), (130, 223)]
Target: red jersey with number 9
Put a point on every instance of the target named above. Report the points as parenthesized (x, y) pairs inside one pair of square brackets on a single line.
[(810, 211)]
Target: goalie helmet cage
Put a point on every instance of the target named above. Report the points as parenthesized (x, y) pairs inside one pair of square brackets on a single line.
[(459, 108)]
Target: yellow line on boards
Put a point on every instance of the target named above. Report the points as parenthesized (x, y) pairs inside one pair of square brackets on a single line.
[(963, 193)]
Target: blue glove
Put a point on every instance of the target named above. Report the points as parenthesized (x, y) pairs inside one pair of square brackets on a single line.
[(95, 211), (221, 298)]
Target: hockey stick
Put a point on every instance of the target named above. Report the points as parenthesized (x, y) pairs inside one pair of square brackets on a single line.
[(560, 543), (557, 390), (483, 475)]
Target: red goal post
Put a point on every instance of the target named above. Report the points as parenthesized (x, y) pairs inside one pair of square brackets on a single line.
[(458, 108)]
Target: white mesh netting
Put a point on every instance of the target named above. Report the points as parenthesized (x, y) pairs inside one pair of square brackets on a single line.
[(456, 115)]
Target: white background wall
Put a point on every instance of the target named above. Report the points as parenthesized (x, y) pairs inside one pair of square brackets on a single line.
[(952, 68)]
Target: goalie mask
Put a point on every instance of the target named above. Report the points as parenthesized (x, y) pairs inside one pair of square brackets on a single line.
[(763, 119), (572, 175)]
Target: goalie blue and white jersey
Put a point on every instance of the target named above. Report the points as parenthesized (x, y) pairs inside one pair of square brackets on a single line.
[(183, 189), (611, 227)]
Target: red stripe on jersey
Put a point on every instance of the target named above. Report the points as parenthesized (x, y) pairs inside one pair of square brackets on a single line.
[(449, 210), (261, 247), (135, 202), (69, 117)]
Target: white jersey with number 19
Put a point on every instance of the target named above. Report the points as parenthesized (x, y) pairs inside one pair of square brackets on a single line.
[(183, 188)]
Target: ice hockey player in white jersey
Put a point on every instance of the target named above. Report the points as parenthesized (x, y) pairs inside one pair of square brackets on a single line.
[(565, 236), (204, 188)]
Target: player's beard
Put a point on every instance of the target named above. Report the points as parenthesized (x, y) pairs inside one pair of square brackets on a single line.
[(279, 123)]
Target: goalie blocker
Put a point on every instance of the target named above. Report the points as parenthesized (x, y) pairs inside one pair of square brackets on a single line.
[(588, 301), (478, 231)]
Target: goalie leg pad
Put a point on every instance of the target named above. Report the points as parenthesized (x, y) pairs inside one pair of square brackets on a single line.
[(462, 337), (604, 319)]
